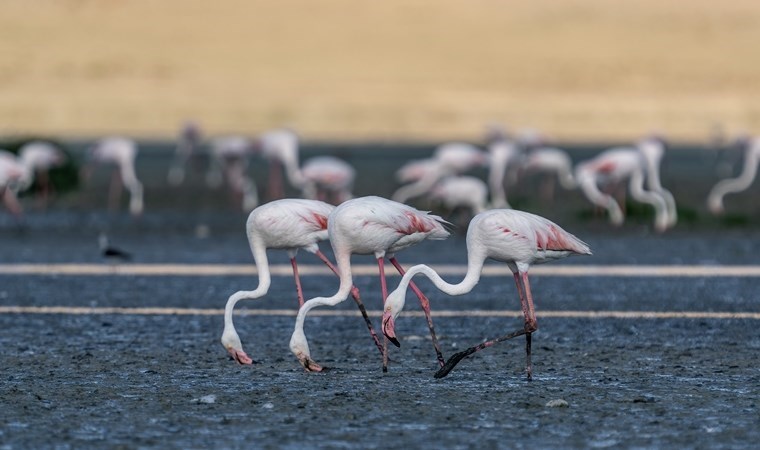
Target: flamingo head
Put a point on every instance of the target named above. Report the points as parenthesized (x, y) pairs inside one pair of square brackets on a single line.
[(393, 306), (300, 347), (231, 342)]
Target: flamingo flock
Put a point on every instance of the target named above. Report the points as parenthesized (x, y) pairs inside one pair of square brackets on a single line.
[(457, 176)]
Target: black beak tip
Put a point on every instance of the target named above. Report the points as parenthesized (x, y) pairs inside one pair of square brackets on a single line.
[(395, 342)]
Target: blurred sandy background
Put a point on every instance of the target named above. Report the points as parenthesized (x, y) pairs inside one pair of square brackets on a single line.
[(353, 69)]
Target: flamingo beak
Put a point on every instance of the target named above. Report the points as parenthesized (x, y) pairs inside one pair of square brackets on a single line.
[(389, 328)]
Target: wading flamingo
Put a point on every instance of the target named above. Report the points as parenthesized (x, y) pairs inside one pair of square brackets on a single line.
[(370, 226), (503, 156), (612, 167), (464, 191), (121, 152), (12, 172), (287, 224), (229, 160), (738, 184), (652, 148), (280, 148), (328, 179), (39, 158), (517, 238), (553, 162), (189, 142), (450, 159)]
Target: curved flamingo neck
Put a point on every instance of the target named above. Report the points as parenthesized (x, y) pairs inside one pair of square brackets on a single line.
[(343, 259), (265, 280), (471, 278)]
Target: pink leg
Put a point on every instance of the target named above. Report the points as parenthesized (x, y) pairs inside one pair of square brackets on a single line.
[(357, 299), (11, 202), (425, 303), (299, 291), (384, 289), (531, 324)]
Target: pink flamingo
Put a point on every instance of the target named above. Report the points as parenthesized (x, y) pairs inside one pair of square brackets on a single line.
[(614, 166), (39, 158), (553, 162), (121, 152), (738, 184), (450, 159), (328, 178), (288, 224), (415, 170), (12, 172), (370, 226), (280, 147), (189, 142), (229, 161), (503, 155), (517, 238), (464, 191)]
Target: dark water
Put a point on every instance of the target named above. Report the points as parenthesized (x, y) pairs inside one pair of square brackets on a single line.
[(146, 381)]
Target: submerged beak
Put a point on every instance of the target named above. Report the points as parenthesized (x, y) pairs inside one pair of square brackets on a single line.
[(389, 328)]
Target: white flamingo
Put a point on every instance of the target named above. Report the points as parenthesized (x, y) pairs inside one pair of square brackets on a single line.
[(280, 147), (369, 226), (287, 224), (328, 178), (39, 158), (229, 160), (738, 184), (553, 162), (461, 192), (614, 166), (503, 156), (517, 238), (12, 172), (122, 153), (450, 159), (189, 142)]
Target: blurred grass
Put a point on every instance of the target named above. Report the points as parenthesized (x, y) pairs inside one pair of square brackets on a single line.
[(345, 69)]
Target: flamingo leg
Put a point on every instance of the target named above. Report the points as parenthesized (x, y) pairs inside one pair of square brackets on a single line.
[(531, 324), (357, 299), (384, 289), (299, 291), (425, 303)]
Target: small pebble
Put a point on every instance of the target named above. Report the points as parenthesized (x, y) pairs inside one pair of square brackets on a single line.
[(557, 403), (205, 399), (268, 405)]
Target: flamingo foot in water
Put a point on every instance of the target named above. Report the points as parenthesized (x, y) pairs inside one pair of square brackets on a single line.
[(310, 365), (240, 356)]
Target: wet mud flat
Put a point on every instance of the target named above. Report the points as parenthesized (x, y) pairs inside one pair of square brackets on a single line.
[(74, 381)]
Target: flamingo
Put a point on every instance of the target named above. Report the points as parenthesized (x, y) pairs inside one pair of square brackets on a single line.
[(461, 191), (738, 184), (614, 166), (12, 172), (289, 224), (652, 149), (229, 160), (503, 153), (517, 238), (415, 170), (39, 157), (327, 178), (121, 152), (450, 159), (370, 225), (280, 147), (553, 161), (188, 143)]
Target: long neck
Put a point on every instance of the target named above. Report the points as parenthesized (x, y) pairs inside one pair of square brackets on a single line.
[(343, 258), (745, 179), (417, 188), (293, 172), (262, 266), (471, 278)]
